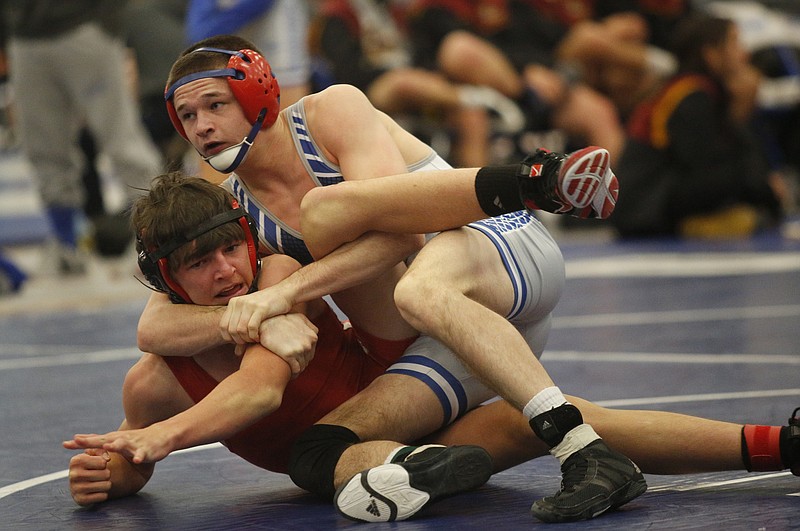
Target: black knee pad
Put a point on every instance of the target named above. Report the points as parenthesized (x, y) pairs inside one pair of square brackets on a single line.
[(551, 426), (314, 457)]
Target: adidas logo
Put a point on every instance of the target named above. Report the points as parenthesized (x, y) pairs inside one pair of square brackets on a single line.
[(546, 425), (372, 508)]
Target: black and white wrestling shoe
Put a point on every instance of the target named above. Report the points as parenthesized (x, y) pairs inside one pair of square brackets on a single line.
[(398, 491)]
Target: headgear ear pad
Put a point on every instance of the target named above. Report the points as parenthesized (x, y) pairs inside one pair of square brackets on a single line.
[(251, 81), (155, 268)]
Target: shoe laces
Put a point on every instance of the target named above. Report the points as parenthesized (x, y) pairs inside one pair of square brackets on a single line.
[(574, 471), (544, 186), (550, 160)]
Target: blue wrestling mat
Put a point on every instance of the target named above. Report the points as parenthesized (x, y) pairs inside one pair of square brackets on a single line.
[(697, 328)]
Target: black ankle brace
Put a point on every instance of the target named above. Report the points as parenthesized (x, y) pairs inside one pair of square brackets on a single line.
[(551, 426), (497, 189)]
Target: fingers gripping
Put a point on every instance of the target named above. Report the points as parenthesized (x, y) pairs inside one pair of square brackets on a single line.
[(240, 324), (292, 337), (244, 315), (89, 476), (254, 325)]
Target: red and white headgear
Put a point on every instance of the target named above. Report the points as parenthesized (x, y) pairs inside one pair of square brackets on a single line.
[(255, 88)]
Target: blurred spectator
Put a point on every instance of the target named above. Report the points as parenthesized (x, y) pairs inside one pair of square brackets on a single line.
[(773, 39), (691, 167), (363, 43), (620, 48), (509, 45), (7, 139), (68, 69), (11, 277), (155, 31)]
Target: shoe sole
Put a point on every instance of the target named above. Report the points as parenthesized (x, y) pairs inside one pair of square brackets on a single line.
[(628, 492), (587, 182), (385, 493)]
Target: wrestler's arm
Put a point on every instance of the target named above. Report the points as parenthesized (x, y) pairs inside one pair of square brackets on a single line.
[(349, 265), (248, 394), (169, 329), (97, 475), (150, 394), (366, 150)]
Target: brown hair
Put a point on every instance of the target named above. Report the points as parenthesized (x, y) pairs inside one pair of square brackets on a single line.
[(191, 63), (693, 35), (177, 204)]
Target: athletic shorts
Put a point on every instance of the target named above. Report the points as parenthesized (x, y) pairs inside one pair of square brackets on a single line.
[(535, 266)]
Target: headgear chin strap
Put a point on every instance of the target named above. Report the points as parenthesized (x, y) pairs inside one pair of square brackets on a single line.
[(155, 268), (229, 159)]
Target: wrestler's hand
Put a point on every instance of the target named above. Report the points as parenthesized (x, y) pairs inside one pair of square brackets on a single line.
[(146, 445), (89, 476), (293, 337), (243, 316)]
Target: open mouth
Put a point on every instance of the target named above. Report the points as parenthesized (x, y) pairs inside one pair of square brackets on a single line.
[(212, 148), (231, 291)]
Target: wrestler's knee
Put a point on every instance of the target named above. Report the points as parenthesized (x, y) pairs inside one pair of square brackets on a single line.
[(314, 457), (315, 207), (322, 204), (419, 299)]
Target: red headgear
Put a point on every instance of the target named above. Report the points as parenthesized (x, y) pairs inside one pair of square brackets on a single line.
[(154, 266), (250, 79)]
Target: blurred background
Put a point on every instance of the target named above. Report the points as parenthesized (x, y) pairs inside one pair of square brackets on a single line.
[(701, 119)]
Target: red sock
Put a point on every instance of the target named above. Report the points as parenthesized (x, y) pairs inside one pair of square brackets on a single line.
[(761, 448)]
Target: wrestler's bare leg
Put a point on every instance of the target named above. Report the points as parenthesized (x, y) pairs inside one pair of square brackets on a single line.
[(659, 442), (380, 414), (458, 291), (411, 203)]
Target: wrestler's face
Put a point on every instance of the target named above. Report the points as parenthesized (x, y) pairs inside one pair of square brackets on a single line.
[(215, 278), (210, 115)]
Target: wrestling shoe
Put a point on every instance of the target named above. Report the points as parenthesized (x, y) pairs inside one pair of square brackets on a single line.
[(398, 491), (595, 479), (792, 449), (580, 184)]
